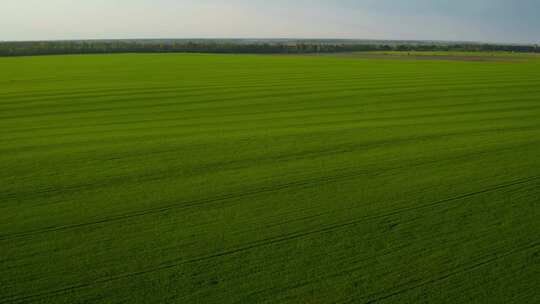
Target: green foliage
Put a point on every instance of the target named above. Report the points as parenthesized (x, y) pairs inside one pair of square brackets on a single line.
[(243, 47), (268, 179)]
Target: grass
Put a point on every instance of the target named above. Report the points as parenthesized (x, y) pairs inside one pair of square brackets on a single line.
[(268, 179)]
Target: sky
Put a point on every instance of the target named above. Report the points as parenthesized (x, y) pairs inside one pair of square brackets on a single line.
[(513, 21)]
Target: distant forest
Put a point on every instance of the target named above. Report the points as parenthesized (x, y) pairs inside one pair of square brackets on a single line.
[(244, 46)]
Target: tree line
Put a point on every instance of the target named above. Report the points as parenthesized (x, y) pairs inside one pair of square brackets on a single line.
[(235, 47)]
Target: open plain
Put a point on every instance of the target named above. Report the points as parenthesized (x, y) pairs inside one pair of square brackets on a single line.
[(177, 178)]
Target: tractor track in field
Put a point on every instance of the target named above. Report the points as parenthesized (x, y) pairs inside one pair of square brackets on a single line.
[(403, 288), (412, 77), (399, 90), (293, 236), (136, 95), (189, 87), (219, 126), (298, 109), (379, 296), (301, 184), (340, 149)]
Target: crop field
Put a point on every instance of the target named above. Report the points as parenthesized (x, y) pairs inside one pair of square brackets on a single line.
[(187, 178)]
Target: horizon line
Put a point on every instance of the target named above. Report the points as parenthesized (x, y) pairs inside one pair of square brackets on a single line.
[(283, 38)]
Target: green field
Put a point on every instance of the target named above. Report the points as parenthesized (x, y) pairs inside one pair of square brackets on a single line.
[(180, 178)]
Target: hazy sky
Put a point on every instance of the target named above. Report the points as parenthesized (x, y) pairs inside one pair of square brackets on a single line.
[(478, 20)]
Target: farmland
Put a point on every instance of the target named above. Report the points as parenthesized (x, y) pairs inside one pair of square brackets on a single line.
[(188, 178)]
